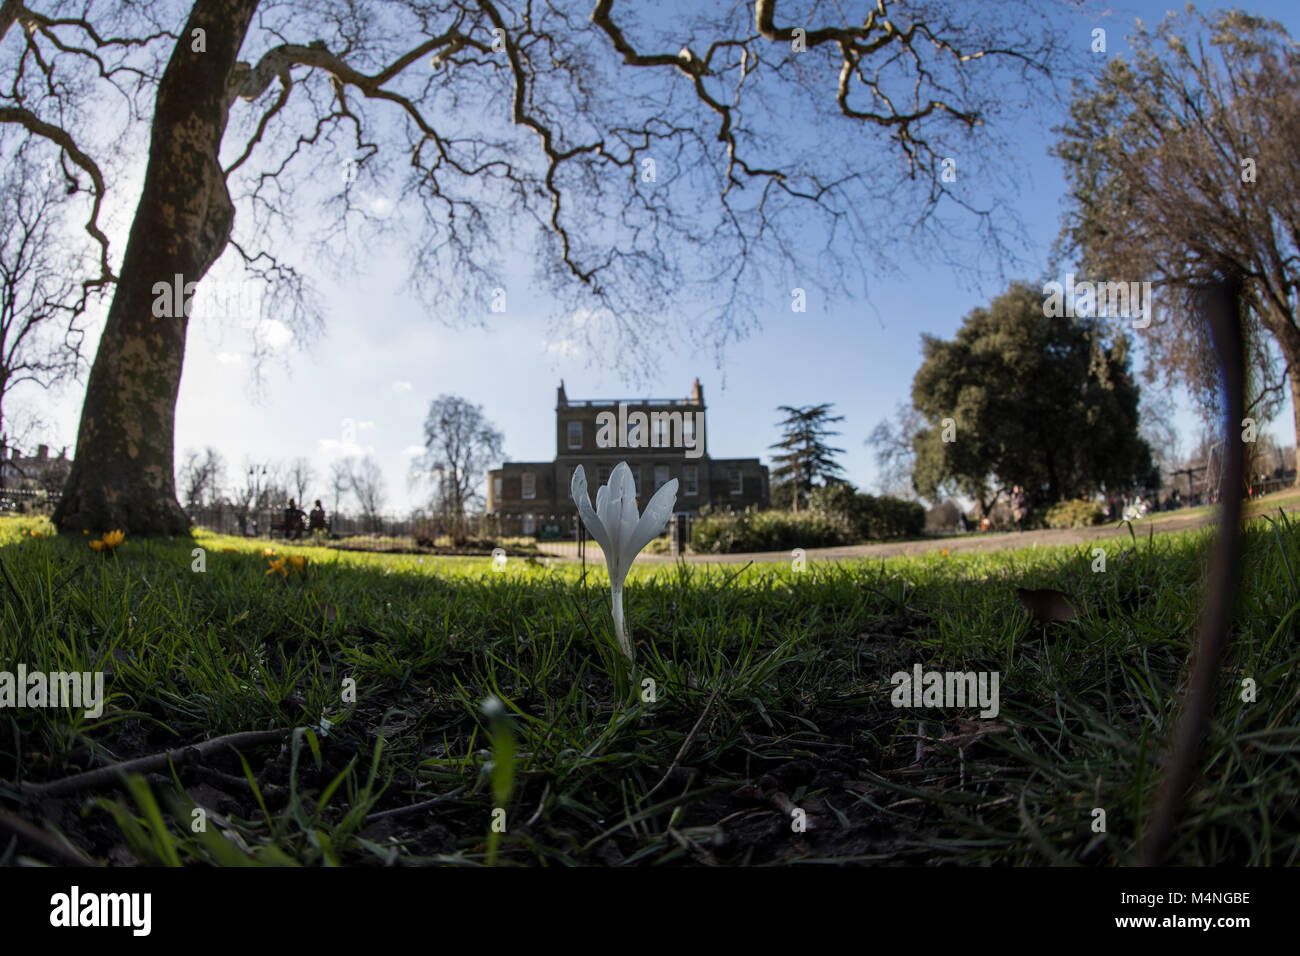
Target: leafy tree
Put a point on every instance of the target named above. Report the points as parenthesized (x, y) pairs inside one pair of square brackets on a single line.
[(1183, 163), (1046, 403), (642, 158), (806, 455)]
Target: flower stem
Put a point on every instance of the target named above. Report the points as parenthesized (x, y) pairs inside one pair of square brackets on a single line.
[(620, 628)]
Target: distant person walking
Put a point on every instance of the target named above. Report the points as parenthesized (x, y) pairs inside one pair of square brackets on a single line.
[(1018, 510), (316, 520)]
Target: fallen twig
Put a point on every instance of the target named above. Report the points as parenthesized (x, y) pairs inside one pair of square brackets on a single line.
[(681, 751), (159, 761), (422, 805), (38, 837)]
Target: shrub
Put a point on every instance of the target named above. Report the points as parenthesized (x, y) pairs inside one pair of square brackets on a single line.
[(764, 531), (1076, 513), (887, 517), (865, 517)]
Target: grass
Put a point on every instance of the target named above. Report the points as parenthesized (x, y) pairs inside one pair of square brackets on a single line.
[(771, 690)]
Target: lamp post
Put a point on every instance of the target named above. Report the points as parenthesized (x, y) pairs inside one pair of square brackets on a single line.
[(255, 478)]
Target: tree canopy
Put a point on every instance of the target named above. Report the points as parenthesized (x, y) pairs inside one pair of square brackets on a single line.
[(805, 457), (1022, 398), (1183, 163), (613, 143)]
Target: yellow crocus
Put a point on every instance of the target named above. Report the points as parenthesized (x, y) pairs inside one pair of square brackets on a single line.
[(277, 567)]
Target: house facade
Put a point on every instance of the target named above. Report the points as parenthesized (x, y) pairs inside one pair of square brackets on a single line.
[(660, 439), (39, 472)]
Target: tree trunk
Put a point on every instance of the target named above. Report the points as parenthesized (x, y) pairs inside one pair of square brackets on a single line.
[(123, 474), (1293, 375)]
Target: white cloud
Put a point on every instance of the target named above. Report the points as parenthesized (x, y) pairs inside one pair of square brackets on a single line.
[(565, 348), (413, 450), (229, 358), (333, 448), (275, 335), (402, 386)]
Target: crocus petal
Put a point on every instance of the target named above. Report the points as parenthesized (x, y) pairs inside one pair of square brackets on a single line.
[(578, 489), (656, 515), (623, 517)]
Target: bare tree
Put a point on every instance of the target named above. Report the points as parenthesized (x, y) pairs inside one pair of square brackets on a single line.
[(1183, 166), (460, 445), (645, 159), (366, 481), (40, 310), (340, 481), (893, 441), (201, 477), (300, 476)]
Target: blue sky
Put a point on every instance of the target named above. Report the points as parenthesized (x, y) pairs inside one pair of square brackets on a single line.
[(382, 358)]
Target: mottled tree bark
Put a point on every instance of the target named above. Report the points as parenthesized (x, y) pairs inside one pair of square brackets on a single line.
[(123, 474)]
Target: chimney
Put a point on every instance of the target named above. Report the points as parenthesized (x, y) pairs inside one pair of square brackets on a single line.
[(561, 400), (697, 393), (42, 452)]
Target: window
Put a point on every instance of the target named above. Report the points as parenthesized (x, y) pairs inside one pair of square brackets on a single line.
[(530, 523), (735, 480), (496, 489), (661, 476), (575, 434), (528, 485), (690, 481)]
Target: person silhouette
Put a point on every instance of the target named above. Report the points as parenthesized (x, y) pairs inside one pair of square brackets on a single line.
[(316, 520), (293, 520)]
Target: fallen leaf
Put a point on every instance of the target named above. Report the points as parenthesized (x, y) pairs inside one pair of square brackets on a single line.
[(1048, 604)]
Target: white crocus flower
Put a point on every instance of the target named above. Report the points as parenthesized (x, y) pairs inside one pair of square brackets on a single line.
[(619, 530)]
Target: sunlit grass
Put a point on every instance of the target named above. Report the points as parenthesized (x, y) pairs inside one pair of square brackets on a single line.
[(790, 670)]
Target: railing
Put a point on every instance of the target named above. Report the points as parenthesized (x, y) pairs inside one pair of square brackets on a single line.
[(557, 535), (615, 402)]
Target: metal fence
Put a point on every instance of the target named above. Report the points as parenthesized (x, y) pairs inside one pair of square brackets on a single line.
[(561, 535)]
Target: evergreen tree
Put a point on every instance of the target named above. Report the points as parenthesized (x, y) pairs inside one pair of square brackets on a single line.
[(805, 456)]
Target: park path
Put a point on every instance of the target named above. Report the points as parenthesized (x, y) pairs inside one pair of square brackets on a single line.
[(1162, 523)]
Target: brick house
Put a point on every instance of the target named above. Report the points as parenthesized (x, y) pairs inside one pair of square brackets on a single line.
[(660, 439)]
